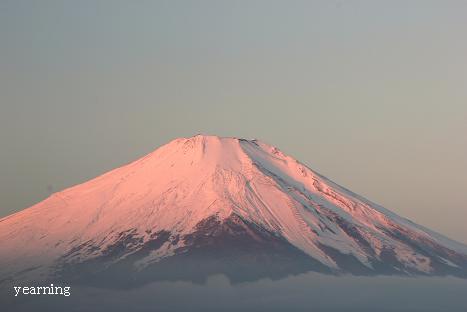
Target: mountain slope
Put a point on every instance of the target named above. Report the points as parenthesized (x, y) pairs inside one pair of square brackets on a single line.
[(230, 206)]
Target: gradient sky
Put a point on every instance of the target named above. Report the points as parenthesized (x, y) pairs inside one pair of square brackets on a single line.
[(371, 94)]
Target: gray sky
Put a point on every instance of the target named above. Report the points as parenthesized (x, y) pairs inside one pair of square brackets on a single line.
[(371, 94)]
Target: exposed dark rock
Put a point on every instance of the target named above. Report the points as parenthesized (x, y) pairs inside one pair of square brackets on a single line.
[(242, 251)]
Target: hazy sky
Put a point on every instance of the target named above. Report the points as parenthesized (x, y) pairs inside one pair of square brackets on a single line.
[(371, 94)]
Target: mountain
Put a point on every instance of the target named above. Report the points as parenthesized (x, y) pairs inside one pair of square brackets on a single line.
[(204, 205)]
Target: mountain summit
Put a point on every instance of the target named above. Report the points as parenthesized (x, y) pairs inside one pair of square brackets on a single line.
[(205, 205)]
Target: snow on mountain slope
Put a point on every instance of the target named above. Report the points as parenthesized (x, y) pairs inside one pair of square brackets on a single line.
[(207, 191)]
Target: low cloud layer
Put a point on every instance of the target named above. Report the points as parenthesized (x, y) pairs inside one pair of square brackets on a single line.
[(305, 292)]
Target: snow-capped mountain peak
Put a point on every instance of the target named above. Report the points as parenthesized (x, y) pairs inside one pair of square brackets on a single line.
[(198, 196)]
